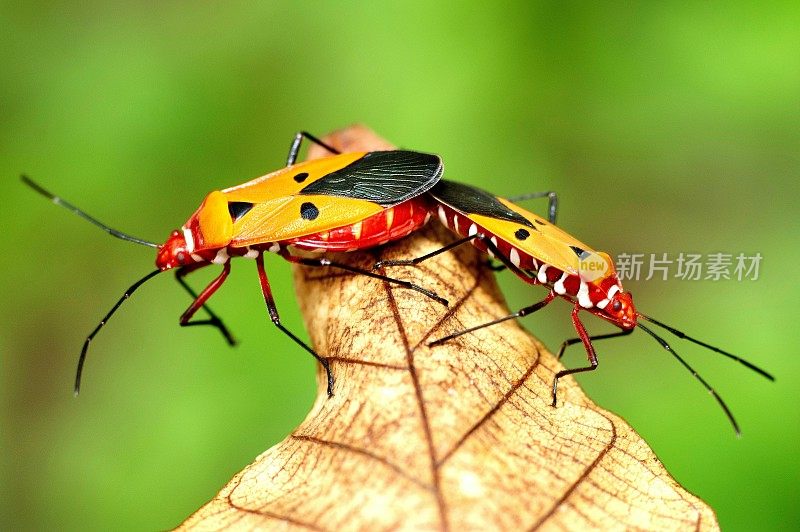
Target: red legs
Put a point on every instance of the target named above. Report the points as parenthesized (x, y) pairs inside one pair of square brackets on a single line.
[(573, 341), (273, 315), (584, 338), (583, 335), (200, 300), (326, 262), (587, 343)]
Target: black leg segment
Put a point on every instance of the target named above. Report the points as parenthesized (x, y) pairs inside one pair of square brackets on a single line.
[(326, 262), (294, 149), (552, 202), (518, 314), (273, 315), (125, 296)]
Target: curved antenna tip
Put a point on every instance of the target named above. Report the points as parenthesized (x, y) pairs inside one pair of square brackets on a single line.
[(684, 336)]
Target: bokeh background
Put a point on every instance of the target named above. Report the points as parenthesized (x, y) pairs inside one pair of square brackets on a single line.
[(665, 127)]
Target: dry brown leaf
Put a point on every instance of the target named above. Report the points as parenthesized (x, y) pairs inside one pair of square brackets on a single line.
[(456, 437)]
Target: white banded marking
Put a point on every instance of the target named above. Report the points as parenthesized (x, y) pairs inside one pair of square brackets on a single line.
[(274, 248), (559, 285), (583, 295), (251, 253), (541, 276), (442, 216), (222, 257), (603, 303), (612, 292), (187, 236), (513, 256), (473, 230), (389, 216), (356, 230)]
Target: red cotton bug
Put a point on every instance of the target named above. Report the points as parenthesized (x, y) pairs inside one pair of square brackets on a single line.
[(344, 202), (540, 253)]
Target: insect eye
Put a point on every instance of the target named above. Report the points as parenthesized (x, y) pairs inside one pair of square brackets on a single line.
[(616, 306)]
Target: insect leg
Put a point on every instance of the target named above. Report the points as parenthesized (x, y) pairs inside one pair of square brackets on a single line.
[(495, 267), (417, 260), (273, 315), (587, 343), (518, 314), (200, 300), (326, 262), (573, 341), (478, 236), (552, 202), (294, 149)]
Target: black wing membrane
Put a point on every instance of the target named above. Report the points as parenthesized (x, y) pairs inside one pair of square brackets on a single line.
[(471, 200), (383, 177)]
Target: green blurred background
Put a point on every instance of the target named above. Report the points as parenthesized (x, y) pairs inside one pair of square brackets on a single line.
[(665, 127)]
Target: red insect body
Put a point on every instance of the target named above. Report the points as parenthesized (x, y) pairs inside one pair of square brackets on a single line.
[(604, 299), (386, 226), (344, 202)]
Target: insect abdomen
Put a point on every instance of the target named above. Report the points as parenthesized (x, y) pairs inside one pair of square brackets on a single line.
[(388, 225)]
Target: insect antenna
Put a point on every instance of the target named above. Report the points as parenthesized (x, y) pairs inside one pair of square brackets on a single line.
[(111, 312), (58, 201), (680, 334), (697, 376)]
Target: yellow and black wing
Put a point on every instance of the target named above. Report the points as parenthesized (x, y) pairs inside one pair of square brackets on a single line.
[(523, 229), (327, 193)]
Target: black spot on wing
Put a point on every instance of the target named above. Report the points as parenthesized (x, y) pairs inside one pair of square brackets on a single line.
[(237, 209), (309, 211), (383, 177), (522, 234), (471, 200), (301, 177), (581, 253)]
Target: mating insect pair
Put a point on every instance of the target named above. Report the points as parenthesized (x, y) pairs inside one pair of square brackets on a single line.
[(355, 201)]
